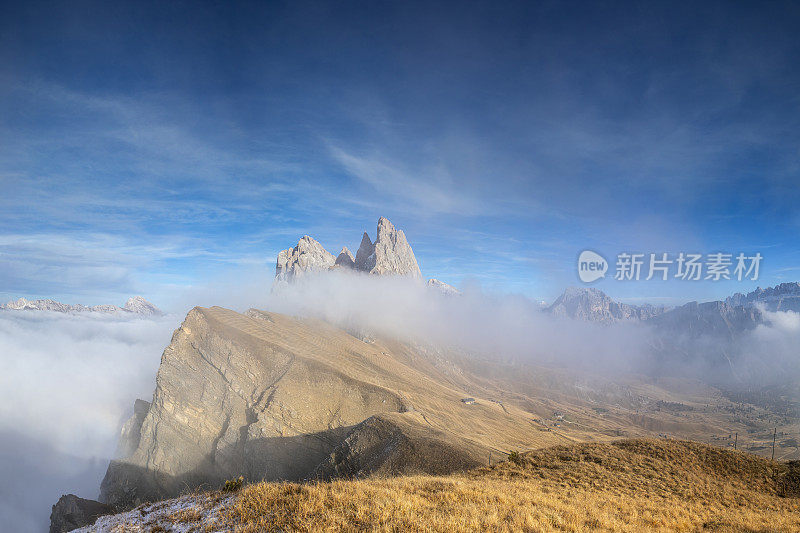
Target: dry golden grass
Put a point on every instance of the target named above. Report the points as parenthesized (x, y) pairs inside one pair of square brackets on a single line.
[(626, 486)]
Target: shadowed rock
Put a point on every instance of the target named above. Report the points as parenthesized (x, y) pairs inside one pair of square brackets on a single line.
[(72, 512), (345, 259)]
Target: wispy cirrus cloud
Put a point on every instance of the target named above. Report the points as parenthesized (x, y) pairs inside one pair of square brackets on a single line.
[(430, 188)]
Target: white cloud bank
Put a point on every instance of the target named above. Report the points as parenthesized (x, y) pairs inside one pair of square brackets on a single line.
[(67, 383), (514, 327)]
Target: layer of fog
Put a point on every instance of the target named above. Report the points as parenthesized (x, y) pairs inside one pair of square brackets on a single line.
[(512, 327), (68, 382), (504, 326), (770, 354)]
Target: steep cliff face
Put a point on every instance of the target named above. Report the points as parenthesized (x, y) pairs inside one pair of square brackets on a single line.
[(230, 402)]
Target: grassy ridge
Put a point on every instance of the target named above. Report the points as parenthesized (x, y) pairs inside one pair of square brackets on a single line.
[(631, 485)]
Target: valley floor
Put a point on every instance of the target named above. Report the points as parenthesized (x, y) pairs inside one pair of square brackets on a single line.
[(627, 485)]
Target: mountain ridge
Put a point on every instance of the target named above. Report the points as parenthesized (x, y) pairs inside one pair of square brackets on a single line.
[(135, 305)]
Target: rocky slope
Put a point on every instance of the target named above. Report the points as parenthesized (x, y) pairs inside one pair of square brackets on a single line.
[(135, 305), (270, 397)]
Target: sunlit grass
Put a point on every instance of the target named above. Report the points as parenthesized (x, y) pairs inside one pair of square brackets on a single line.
[(631, 486)]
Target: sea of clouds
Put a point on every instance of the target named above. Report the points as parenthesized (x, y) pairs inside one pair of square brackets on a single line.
[(68, 381)]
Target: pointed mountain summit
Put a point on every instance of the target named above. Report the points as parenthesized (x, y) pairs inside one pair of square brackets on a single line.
[(307, 256), (140, 306), (345, 259), (389, 254), (365, 255)]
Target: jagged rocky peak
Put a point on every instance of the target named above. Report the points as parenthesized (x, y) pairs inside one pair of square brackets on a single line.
[(308, 256), (365, 255), (591, 304), (584, 304), (389, 254), (345, 259)]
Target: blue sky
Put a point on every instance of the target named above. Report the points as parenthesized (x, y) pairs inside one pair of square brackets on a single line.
[(147, 148)]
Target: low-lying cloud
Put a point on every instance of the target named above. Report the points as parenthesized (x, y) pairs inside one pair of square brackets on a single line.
[(512, 327), (68, 382), (505, 326)]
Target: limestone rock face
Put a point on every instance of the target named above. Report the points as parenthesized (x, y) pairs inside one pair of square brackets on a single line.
[(389, 254), (345, 259), (229, 401), (72, 512), (307, 256)]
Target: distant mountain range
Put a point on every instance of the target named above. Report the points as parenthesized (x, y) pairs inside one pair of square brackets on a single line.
[(783, 297), (736, 313), (706, 335), (135, 305)]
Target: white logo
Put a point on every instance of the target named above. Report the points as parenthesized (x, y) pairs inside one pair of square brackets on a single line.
[(591, 266)]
